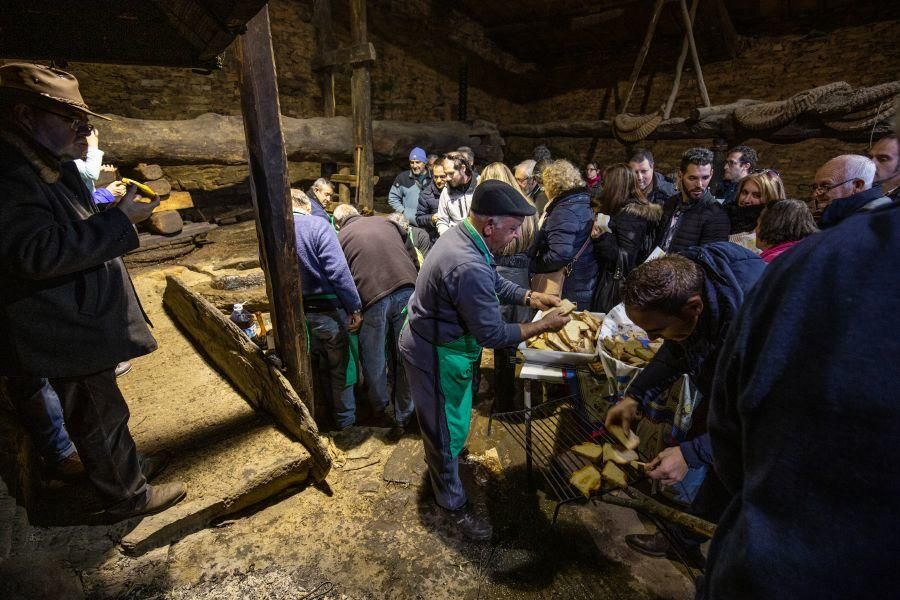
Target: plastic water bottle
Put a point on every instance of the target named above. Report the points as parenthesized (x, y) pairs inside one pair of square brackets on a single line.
[(244, 320)]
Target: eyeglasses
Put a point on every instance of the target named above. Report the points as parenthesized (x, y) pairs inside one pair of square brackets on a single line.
[(79, 126), (817, 189), (767, 172), (734, 163)]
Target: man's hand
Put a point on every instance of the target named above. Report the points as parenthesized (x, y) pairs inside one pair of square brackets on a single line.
[(543, 301), (553, 321), (136, 210), (622, 414), (669, 466), (354, 322), (93, 140), (117, 189)]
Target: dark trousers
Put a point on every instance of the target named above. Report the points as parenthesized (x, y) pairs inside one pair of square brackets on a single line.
[(96, 417), (710, 502)]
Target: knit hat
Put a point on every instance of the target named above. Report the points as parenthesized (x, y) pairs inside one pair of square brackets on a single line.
[(418, 154), (495, 198)]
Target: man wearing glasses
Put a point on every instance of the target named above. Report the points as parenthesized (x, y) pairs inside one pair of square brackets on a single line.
[(740, 162), (843, 187), (68, 310)]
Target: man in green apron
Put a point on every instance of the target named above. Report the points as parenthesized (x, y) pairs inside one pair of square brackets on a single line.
[(453, 314)]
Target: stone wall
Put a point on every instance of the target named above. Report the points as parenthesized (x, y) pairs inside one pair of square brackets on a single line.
[(769, 68)]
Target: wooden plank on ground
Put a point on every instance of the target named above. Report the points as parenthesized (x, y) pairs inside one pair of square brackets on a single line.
[(190, 232), (176, 201), (245, 365)]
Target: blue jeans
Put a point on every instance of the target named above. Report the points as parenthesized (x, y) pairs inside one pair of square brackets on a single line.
[(330, 339), (41, 412), (381, 326)]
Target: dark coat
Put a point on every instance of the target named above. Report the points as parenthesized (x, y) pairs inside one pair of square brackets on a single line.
[(539, 198), (429, 199), (566, 227), (702, 222), (381, 257), (803, 412), (730, 272), (663, 189), (316, 208), (67, 305), (632, 230)]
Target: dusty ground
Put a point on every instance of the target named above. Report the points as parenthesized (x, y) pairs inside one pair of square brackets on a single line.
[(358, 537)]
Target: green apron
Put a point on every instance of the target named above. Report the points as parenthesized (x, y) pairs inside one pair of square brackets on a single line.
[(456, 361), (352, 369)]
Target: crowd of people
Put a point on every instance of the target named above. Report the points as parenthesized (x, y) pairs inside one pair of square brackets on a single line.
[(792, 396)]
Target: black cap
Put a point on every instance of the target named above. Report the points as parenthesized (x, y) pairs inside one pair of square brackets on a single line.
[(495, 197)]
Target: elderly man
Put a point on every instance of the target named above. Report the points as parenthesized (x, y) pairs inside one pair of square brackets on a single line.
[(740, 161), (404, 194), (843, 186), (456, 196), (885, 153), (68, 310), (524, 174), (689, 301), (655, 186), (384, 266), (331, 303), (453, 313), (320, 195), (692, 217)]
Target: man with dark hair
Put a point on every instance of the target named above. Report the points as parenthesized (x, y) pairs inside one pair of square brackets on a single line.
[(68, 309), (688, 300), (800, 419), (453, 313), (885, 153), (429, 201), (692, 217), (739, 162), (456, 197), (656, 187), (404, 194)]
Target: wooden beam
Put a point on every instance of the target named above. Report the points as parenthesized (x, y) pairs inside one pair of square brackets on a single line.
[(642, 53), (324, 43), (352, 55), (361, 99), (730, 38), (270, 192), (695, 58), (231, 351)]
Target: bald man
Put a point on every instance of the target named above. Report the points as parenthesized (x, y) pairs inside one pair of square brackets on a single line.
[(843, 187)]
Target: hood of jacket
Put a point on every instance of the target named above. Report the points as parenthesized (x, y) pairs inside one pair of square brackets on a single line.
[(731, 271), (648, 212), (571, 198)]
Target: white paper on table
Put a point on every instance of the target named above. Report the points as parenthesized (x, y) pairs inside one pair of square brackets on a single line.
[(657, 253)]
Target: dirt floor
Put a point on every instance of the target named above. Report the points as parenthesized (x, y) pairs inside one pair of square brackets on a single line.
[(357, 537)]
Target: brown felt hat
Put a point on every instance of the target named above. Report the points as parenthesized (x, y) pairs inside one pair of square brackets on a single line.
[(29, 82)]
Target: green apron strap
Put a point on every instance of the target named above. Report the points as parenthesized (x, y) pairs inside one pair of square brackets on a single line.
[(479, 241), (353, 360)]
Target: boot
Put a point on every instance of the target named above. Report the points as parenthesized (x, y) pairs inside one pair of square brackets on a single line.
[(656, 545), (472, 526), (159, 498)]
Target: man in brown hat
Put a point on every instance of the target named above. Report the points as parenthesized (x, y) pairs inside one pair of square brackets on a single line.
[(68, 309)]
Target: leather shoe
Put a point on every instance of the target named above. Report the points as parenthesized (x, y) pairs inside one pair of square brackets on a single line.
[(153, 465), (122, 368), (472, 526), (656, 545), (159, 498), (69, 470)]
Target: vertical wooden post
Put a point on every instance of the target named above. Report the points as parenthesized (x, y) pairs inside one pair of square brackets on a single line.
[(361, 98), (695, 58), (679, 67), (324, 42), (642, 53), (270, 192)]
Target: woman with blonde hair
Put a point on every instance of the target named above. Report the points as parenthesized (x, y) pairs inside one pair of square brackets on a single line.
[(512, 264), (629, 236), (755, 191), (564, 239)]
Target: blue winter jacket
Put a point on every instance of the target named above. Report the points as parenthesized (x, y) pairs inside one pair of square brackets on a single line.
[(804, 420), (566, 227), (730, 272), (404, 194)]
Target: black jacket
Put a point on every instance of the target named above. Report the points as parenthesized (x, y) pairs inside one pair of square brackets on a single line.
[(663, 189), (67, 304), (633, 230), (428, 206), (700, 222)]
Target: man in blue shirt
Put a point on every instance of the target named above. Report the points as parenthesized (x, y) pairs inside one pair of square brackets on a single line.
[(454, 313)]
